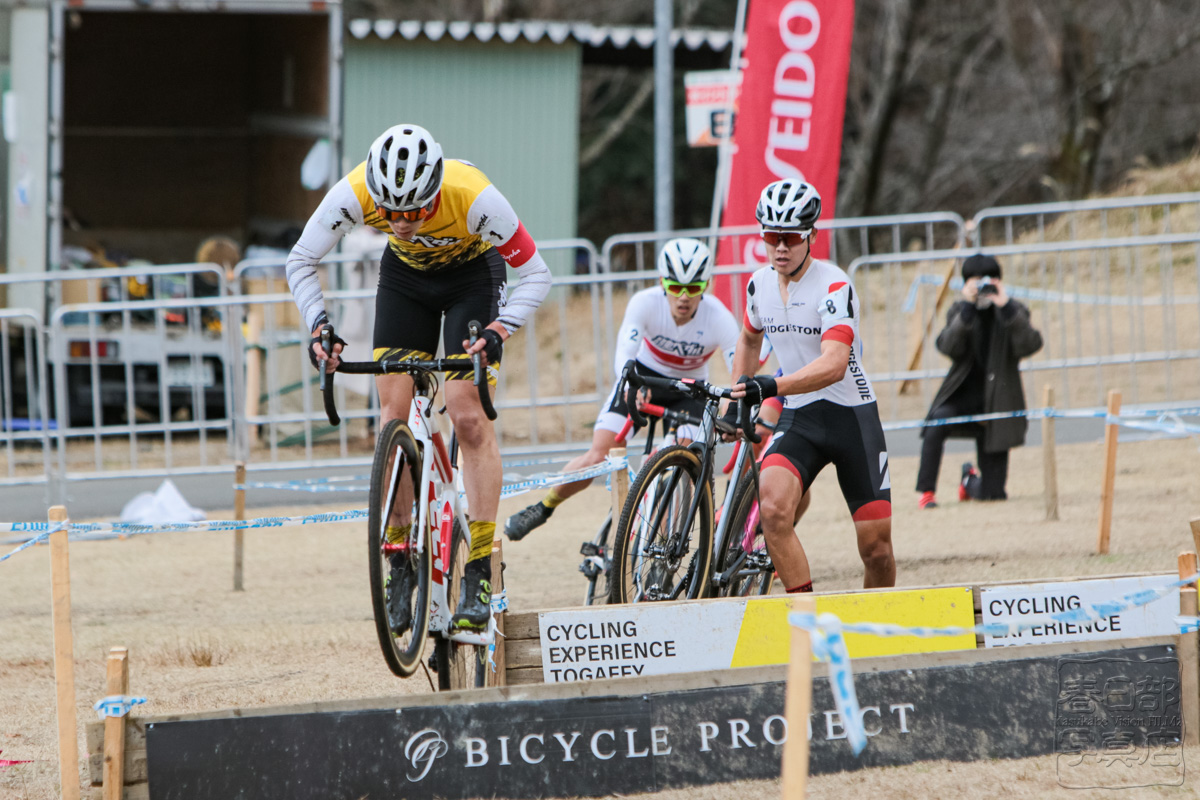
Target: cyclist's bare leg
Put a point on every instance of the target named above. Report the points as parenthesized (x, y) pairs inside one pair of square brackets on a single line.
[(875, 548), (805, 499), (395, 398), (780, 494), (602, 442), (480, 451)]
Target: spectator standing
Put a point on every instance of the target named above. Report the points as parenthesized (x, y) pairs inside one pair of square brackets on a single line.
[(987, 333)]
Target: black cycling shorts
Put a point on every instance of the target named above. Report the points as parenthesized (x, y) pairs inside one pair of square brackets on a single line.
[(614, 411), (415, 308), (849, 437)]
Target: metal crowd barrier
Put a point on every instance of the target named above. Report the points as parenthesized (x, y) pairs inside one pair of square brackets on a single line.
[(174, 280), (1084, 297), (1079, 220), (17, 433), (848, 238)]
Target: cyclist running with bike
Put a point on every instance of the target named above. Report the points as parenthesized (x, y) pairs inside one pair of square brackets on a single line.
[(450, 232), (808, 310), (670, 330)]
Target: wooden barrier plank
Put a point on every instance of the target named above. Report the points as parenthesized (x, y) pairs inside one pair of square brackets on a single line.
[(798, 705), (64, 657), (1049, 462), (135, 766), (524, 653), (1189, 655), (522, 626), (135, 740), (239, 512), (117, 684), (1195, 525), (501, 646), (1111, 434)]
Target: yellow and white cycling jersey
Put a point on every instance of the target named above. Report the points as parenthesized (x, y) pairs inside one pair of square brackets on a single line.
[(471, 217)]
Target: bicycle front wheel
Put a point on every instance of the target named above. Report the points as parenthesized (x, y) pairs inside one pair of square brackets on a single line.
[(462, 666), (401, 573), (659, 552), (744, 566)]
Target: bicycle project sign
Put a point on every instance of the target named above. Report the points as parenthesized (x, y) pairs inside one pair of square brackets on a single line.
[(1096, 710), (665, 638)]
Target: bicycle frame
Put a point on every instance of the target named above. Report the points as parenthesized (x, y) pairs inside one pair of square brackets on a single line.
[(444, 502)]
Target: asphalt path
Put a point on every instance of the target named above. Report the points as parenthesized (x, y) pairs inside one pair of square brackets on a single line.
[(104, 499)]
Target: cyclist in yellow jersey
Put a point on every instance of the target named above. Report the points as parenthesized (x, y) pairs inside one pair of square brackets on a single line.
[(450, 233)]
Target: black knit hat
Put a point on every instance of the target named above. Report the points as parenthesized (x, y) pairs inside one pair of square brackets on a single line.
[(980, 266)]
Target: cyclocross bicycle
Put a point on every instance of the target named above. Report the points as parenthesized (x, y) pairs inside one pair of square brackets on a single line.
[(597, 552), (437, 546), (741, 564), (663, 542)]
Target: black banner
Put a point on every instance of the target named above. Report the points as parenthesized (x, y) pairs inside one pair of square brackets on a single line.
[(597, 746)]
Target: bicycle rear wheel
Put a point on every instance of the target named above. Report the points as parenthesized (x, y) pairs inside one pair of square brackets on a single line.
[(409, 593), (597, 566), (744, 554), (462, 666), (658, 553)]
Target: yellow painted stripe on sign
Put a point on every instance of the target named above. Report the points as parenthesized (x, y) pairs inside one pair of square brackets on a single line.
[(765, 636)]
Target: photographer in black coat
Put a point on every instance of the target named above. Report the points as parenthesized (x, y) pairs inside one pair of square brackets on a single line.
[(987, 333)]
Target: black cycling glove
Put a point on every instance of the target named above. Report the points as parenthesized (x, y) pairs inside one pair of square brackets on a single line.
[(316, 340), (494, 347), (730, 418), (759, 389)]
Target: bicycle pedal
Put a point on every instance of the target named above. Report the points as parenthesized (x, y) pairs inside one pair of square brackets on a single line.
[(591, 549), (589, 570)]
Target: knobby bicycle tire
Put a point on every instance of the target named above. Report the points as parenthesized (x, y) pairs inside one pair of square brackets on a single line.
[(462, 666), (659, 494), (748, 580), (402, 652)]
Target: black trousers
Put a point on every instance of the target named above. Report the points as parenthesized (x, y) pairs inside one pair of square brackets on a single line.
[(993, 467)]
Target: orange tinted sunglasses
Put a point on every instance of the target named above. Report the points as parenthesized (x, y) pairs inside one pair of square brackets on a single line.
[(415, 215), (773, 238)]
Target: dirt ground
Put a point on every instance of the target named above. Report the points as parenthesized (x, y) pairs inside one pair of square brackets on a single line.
[(302, 630)]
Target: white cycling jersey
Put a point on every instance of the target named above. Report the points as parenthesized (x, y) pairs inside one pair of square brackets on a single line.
[(649, 334), (821, 305)]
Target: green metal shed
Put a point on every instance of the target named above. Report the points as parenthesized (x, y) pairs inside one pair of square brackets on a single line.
[(511, 109)]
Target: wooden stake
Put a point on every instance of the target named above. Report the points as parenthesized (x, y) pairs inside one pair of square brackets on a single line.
[(620, 486), (1189, 655), (1049, 462), (499, 678), (239, 512), (114, 727), (1195, 523), (255, 319), (914, 360), (1110, 473), (798, 706), (64, 657)]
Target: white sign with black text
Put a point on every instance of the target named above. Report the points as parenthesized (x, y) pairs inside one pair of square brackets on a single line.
[(643, 639), (1038, 603)]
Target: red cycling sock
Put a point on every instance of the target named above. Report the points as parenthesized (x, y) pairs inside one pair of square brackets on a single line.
[(804, 587)]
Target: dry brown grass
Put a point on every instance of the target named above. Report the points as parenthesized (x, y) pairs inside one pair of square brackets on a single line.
[(302, 630)]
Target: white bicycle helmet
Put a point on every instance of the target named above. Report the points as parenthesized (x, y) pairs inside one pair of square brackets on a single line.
[(685, 261), (789, 205), (404, 168)]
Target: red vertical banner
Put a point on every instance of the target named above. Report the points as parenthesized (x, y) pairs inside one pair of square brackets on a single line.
[(791, 107)]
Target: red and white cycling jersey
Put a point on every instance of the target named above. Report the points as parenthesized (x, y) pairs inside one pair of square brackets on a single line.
[(649, 334), (821, 305)]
